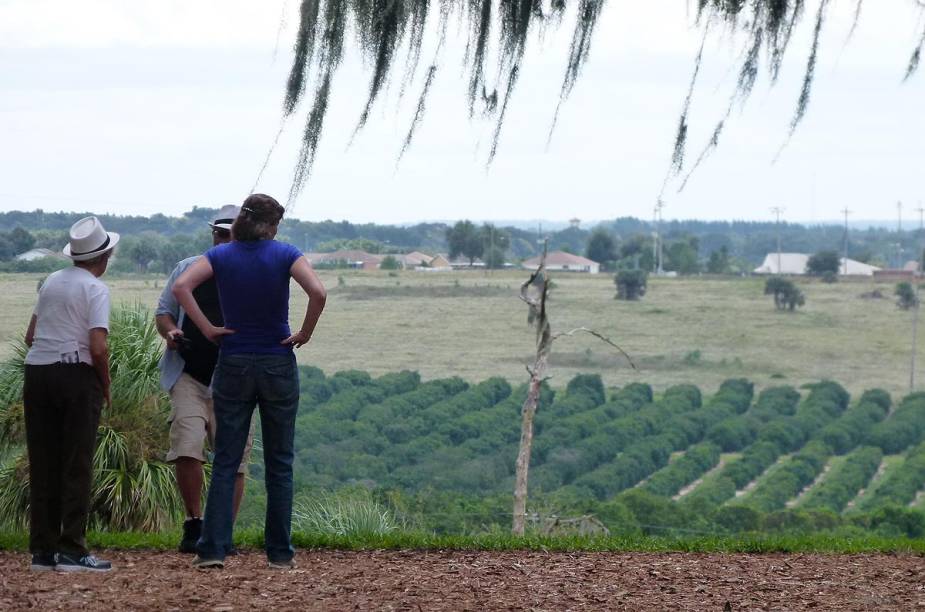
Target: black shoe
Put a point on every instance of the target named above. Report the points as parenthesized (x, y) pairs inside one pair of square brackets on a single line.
[(43, 562), (87, 563), (192, 529), (203, 563)]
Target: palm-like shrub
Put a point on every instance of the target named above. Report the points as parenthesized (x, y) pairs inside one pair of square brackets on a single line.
[(345, 513), (133, 489)]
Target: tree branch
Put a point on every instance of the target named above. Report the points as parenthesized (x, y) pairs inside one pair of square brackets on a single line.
[(600, 337)]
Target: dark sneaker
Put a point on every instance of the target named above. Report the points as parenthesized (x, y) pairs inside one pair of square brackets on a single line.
[(87, 563), (43, 562), (192, 529), (201, 563), (282, 565)]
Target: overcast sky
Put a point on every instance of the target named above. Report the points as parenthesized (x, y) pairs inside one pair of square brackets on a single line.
[(159, 105)]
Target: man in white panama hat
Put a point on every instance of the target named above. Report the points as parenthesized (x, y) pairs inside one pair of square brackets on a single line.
[(66, 382), (186, 374)]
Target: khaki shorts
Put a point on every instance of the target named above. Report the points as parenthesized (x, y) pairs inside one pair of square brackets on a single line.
[(192, 421)]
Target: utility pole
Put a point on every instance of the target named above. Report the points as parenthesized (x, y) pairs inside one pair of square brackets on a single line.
[(655, 236), (659, 208), (489, 257), (921, 247), (847, 212), (915, 315), (899, 235), (778, 211)]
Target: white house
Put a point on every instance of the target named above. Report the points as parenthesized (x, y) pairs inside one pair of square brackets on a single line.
[(352, 258), (795, 264), (856, 268), (414, 259), (33, 254), (564, 262), (783, 263)]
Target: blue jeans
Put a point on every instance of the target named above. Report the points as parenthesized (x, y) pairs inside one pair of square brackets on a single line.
[(241, 382)]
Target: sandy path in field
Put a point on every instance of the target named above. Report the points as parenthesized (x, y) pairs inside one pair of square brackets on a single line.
[(456, 580)]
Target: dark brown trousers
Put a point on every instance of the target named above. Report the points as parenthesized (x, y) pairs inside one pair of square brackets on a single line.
[(62, 404)]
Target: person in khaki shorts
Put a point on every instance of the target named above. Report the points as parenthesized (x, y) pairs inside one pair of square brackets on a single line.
[(186, 374)]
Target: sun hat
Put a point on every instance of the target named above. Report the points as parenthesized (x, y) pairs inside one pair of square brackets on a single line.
[(225, 217), (88, 239)]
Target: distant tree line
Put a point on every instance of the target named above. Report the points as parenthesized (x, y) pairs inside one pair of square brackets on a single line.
[(687, 247)]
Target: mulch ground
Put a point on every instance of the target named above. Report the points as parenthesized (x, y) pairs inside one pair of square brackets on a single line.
[(458, 580)]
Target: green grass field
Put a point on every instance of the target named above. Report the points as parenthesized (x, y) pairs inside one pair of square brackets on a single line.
[(687, 330), (748, 543)]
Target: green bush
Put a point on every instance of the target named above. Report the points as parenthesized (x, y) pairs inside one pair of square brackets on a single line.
[(800, 521), (735, 433), (904, 428), (631, 284), (786, 295), (906, 297), (895, 520), (900, 485), (618, 518), (694, 463), (658, 515), (790, 478), (823, 264), (842, 484), (780, 436), (736, 519), (776, 401), (346, 514), (754, 461), (851, 428), (647, 454)]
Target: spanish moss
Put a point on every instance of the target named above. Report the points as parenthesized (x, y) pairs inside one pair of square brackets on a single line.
[(419, 112), (857, 18), (480, 19), (417, 27), (310, 139), (803, 101), (512, 81), (782, 40), (677, 158), (589, 11), (304, 47), (381, 30), (915, 58), (391, 34)]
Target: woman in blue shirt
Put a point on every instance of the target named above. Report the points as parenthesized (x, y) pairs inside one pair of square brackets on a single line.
[(256, 367)]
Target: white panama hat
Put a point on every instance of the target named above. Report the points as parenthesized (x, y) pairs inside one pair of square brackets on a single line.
[(225, 217), (88, 239)]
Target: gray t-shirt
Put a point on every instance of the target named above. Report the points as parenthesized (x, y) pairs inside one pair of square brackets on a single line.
[(71, 303)]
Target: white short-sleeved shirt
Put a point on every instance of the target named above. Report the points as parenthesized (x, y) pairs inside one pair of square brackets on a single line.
[(71, 303)]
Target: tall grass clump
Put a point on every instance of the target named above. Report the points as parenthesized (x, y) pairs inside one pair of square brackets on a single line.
[(345, 514), (133, 489)]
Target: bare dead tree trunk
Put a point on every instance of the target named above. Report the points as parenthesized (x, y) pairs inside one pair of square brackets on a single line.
[(533, 292), (526, 444)]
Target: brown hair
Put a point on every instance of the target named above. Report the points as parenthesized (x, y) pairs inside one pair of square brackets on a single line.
[(259, 215)]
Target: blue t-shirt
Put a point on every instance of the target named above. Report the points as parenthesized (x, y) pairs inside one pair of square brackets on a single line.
[(253, 288)]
